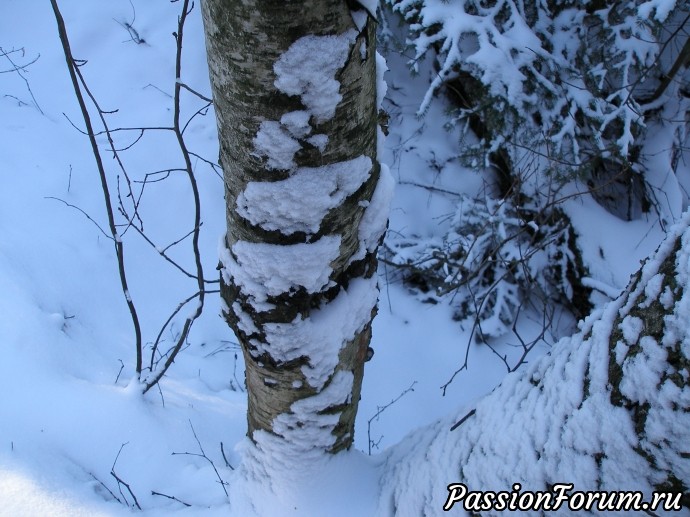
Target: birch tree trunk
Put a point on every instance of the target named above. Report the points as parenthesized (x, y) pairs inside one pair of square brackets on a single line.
[(294, 88)]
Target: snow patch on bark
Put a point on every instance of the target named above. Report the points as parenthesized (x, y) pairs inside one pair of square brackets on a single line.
[(262, 270), (244, 321), (319, 141), (301, 436), (275, 143), (375, 218), (308, 69), (381, 86), (322, 335), (299, 203), (297, 123)]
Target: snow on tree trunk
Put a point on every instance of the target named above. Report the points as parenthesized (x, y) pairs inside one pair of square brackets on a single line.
[(607, 409), (294, 87)]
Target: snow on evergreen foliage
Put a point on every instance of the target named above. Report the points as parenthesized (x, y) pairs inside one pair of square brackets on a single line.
[(492, 259), (570, 77), (564, 97)]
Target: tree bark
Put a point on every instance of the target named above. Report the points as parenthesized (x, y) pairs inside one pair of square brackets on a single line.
[(294, 89)]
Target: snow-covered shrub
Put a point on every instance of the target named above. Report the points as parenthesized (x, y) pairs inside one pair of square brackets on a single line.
[(495, 257), (576, 81), (584, 91)]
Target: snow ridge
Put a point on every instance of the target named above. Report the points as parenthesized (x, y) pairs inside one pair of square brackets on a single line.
[(577, 431)]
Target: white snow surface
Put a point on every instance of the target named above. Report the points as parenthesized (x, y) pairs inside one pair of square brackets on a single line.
[(68, 408), (566, 427), (375, 217)]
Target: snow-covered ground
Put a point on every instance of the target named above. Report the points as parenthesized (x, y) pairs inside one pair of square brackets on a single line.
[(72, 419)]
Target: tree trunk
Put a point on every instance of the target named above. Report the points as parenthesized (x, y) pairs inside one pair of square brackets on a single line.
[(294, 88), (607, 409)]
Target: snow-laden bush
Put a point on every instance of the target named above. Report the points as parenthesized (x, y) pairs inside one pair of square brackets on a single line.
[(576, 81), (495, 257), (585, 91)]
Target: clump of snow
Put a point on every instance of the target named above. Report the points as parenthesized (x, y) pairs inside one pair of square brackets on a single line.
[(297, 123), (263, 270), (370, 5), (321, 336), (642, 372), (319, 141), (666, 298), (244, 321), (308, 69), (381, 86), (275, 143), (306, 428), (662, 7), (631, 327), (652, 289), (375, 217), (300, 202)]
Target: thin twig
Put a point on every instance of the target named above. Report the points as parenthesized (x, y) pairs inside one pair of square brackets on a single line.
[(191, 90), (19, 70), (227, 463), (381, 409), (106, 487), (203, 455), (186, 9), (119, 250), (153, 492), (462, 420), (122, 367), (83, 213), (121, 482)]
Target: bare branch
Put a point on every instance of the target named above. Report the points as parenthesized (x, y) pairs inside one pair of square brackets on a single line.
[(204, 456), (186, 9), (381, 409), (119, 250), (121, 482), (84, 213), (153, 492), (19, 69), (191, 90)]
